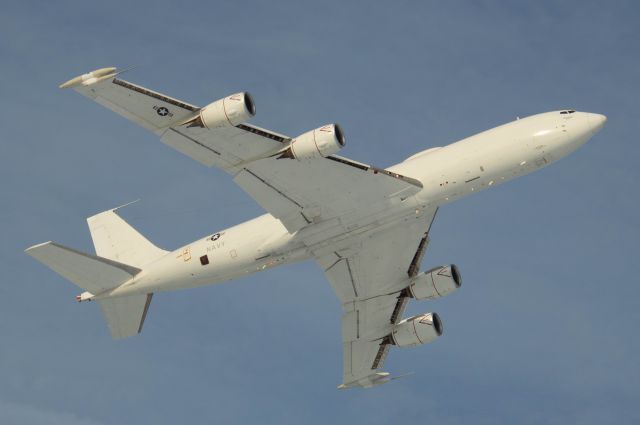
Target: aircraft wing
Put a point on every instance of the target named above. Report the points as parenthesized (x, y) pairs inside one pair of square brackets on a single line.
[(297, 192), (369, 277)]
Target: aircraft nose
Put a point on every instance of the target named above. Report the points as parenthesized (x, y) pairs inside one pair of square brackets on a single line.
[(596, 121)]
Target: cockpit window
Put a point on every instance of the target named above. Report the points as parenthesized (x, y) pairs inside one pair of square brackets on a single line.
[(570, 111)]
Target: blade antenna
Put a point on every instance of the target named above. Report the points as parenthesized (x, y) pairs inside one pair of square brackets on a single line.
[(127, 69)]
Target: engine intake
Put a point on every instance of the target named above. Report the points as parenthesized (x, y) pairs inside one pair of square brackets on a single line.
[(435, 283), (318, 143), (230, 111), (417, 330)]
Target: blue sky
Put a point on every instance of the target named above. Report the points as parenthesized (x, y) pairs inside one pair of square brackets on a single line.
[(544, 329)]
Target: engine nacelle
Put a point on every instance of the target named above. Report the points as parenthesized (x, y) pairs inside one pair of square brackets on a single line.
[(417, 330), (230, 111), (318, 143), (435, 283)]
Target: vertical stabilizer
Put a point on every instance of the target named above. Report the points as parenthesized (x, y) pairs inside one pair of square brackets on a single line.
[(115, 239)]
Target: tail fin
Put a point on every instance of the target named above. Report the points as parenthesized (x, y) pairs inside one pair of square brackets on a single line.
[(115, 239), (91, 273)]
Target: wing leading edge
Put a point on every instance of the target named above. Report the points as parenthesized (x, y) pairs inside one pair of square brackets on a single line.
[(297, 192)]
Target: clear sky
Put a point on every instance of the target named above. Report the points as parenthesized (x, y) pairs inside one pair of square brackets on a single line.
[(545, 327)]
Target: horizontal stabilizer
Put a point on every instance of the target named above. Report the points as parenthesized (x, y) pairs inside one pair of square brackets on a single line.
[(125, 315), (89, 272)]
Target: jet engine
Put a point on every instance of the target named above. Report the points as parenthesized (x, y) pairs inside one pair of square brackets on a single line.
[(435, 283), (318, 143), (230, 111), (417, 330)]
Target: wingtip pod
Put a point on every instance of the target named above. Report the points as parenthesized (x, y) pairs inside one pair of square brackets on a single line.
[(372, 380), (90, 77), (33, 248)]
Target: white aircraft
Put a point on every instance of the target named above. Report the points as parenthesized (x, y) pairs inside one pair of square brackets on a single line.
[(367, 227)]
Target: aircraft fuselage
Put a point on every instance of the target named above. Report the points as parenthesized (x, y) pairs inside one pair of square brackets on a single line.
[(448, 173)]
